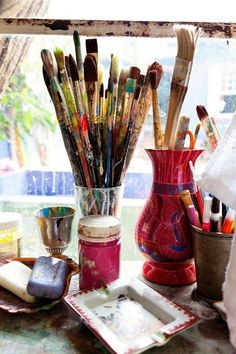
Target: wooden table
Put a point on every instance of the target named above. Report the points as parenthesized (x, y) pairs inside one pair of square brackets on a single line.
[(60, 330)]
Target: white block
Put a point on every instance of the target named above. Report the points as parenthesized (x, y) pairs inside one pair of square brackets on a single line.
[(14, 276)]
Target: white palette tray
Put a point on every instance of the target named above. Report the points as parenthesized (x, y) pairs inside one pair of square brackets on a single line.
[(130, 317)]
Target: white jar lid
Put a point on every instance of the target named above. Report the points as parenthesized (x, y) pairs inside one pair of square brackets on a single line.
[(100, 226), (10, 220)]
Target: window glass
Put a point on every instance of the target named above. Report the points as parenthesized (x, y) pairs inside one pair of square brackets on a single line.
[(34, 167), (150, 10)]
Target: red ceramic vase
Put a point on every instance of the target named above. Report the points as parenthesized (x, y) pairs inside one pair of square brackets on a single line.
[(163, 232)]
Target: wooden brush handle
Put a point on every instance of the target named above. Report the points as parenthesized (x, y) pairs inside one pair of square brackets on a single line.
[(156, 121)]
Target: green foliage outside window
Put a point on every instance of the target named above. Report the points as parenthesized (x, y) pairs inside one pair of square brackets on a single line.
[(27, 106)]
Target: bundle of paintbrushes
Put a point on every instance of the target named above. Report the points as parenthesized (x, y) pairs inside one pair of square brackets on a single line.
[(100, 128), (175, 130)]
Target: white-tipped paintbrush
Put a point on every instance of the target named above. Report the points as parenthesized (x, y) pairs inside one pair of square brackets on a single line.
[(186, 39)]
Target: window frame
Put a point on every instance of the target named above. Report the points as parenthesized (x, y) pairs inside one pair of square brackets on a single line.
[(153, 29)]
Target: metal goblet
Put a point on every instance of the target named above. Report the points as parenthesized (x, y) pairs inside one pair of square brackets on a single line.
[(55, 227)]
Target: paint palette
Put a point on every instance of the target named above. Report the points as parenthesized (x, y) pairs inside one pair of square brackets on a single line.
[(130, 317)]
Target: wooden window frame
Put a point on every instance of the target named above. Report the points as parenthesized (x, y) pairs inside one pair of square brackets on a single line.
[(163, 29)]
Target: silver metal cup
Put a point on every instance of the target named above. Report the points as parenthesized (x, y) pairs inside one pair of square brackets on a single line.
[(55, 227)]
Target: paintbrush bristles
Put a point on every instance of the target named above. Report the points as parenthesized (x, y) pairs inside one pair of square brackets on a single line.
[(76, 38), (90, 69), (159, 71), (91, 45), (73, 68), (115, 68), (202, 112), (186, 41), (134, 72), (48, 63), (100, 75), (60, 58), (153, 79), (186, 37)]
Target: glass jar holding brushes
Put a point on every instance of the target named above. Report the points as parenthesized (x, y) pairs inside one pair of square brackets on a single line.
[(100, 127)]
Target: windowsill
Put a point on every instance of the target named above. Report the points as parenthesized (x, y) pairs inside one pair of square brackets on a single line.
[(60, 199)]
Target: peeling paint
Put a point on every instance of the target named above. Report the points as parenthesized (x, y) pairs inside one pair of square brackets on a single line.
[(151, 29), (59, 25)]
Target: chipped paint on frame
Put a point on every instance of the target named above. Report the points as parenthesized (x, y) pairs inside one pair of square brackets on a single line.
[(110, 28)]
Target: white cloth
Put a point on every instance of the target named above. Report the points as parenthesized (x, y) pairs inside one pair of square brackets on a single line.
[(219, 176), (229, 293), (219, 179)]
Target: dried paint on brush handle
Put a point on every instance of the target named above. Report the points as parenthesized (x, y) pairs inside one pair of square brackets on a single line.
[(156, 121)]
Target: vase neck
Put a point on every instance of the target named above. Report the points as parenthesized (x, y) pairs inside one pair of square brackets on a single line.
[(172, 166)]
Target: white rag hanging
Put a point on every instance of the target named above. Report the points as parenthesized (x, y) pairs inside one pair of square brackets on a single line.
[(219, 179)]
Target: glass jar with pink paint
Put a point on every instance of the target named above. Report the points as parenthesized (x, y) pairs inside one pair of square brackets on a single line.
[(99, 250)]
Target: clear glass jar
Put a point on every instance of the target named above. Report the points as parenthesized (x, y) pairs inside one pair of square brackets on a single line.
[(10, 235), (93, 201), (99, 250)]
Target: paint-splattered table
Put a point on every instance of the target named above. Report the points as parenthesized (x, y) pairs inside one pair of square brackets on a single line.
[(60, 331)]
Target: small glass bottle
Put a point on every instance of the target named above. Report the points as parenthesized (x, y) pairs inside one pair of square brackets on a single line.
[(99, 250), (10, 235)]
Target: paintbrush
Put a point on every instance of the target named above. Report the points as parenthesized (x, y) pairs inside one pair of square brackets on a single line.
[(208, 127), (140, 81), (92, 47), (108, 172), (134, 108), (186, 40), (72, 110), (121, 93), (104, 128), (90, 76), (52, 75), (130, 85), (88, 149), (67, 67), (134, 73), (46, 81), (78, 54), (80, 67), (120, 158), (128, 100), (144, 104), (103, 124), (196, 131), (100, 82), (216, 129), (119, 106), (101, 103), (66, 88), (115, 77), (83, 121), (69, 141), (181, 132), (62, 115), (155, 77), (75, 84)]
